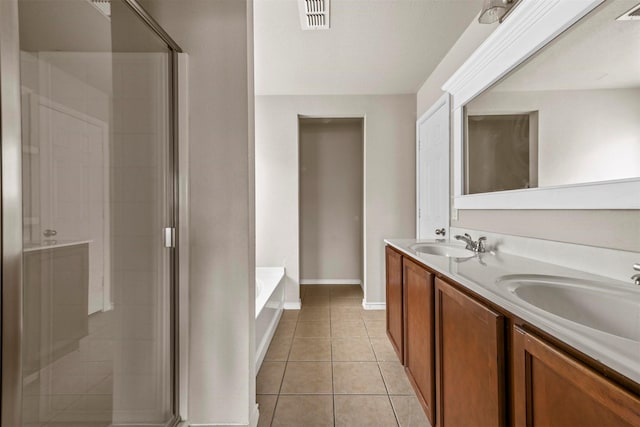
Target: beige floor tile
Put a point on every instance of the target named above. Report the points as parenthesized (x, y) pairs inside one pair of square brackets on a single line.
[(316, 301), (311, 349), (317, 290), (375, 315), (376, 328), (395, 378), (352, 349), (346, 302), (266, 405), (349, 291), (346, 313), (285, 329), (357, 378), (270, 377), (305, 410), (289, 315), (365, 411), (383, 349), (409, 412), (348, 328), (303, 290), (279, 349), (307, 378), (313, 313), (315, 329)]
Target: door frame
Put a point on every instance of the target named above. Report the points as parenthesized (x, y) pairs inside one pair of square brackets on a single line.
[(35, 101), (443, 101), (11, 231), (363, 266)]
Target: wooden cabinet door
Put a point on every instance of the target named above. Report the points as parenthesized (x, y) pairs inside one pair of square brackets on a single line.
[(552, 389), (418, 337), (469, 361), (394, 301)]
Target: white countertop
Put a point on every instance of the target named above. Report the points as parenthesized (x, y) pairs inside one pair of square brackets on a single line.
[(480, 274), (52, 244)]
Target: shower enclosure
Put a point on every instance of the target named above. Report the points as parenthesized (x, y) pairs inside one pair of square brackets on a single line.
[(89, 215)]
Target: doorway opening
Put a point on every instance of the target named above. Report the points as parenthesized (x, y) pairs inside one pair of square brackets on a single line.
[(331, 197)]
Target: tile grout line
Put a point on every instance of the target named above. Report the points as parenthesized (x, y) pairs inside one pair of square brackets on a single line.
[(286, 363), (393, 409), (333, 390)]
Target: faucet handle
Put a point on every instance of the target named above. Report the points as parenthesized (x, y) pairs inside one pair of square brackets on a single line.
[(480, 246), (636, 279), (636, 266)]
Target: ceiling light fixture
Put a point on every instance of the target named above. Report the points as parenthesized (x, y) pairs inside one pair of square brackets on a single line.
[(495, 10)]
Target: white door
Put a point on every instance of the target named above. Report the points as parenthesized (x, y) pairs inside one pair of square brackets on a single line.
[(432, 171), (73, 186)]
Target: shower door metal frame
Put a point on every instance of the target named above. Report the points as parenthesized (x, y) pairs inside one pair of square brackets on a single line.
[(11, 209)]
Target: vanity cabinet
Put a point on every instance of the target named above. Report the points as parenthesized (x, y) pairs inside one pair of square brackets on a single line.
[(551, 388), (470, 360), (56, 304), (461, 351), (419, 351), (395, 327)]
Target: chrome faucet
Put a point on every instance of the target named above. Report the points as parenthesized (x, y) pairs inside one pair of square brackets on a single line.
[(475, 246), (636, 277)]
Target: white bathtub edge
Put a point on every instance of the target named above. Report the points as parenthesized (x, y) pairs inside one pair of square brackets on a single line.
[(266, 340), (269, 308)]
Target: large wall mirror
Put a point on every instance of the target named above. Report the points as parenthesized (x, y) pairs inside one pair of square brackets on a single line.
[(557, 126)]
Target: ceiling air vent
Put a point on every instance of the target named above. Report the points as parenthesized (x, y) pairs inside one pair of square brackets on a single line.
[(631, 15), (314, 14)]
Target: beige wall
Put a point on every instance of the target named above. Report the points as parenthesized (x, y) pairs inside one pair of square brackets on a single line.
[(331, 199), (471, 38), (583, 135), (606, 228), (217, 37), (389, 185)]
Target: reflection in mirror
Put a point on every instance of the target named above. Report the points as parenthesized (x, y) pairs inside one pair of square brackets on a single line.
[(502, 153), (581, 94)]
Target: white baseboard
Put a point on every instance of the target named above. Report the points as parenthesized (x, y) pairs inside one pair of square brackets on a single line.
[(220, 425), (331, 282), (373, 305), (293, 305), (253, 422)]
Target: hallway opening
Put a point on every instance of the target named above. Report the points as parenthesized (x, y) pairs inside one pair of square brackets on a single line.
[(331, 165)]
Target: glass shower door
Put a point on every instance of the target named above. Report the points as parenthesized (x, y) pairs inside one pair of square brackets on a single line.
[(97, 195)]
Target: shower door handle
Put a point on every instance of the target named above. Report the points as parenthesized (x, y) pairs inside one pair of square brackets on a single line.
[(49, 233), (169, 237)]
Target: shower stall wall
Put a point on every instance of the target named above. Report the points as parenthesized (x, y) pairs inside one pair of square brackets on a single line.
[(88, 195)]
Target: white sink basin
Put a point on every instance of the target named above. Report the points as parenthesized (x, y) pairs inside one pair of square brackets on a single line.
[(610, 309), (442, 249)]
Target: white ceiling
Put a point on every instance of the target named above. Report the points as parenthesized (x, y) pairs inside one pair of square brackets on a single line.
[(373, 46)]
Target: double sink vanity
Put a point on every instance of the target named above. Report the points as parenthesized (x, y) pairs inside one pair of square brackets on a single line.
[(493, 339)]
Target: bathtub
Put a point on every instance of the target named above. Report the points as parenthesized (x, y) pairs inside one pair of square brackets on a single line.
[(269, 307)]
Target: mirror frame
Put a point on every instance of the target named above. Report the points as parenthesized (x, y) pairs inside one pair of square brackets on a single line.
[(529, 28)]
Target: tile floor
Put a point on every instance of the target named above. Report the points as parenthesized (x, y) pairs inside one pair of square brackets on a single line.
[(76, 389), (331, 364)]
